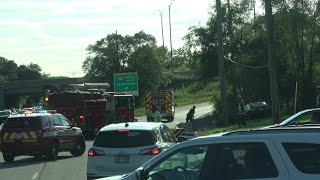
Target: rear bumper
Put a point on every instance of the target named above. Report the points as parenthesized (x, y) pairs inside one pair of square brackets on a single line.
[(30, 148), (95, 167)]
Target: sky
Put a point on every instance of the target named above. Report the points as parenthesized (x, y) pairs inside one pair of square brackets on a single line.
[(56, 33)]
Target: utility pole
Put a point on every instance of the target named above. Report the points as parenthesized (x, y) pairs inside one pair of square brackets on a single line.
[(224, 103), (170, 35), (272, 63), (162, 29)]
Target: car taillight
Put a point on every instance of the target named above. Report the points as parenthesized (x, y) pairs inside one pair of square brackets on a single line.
[(123, 131), (81, 117), (95, 152), (153, 151)]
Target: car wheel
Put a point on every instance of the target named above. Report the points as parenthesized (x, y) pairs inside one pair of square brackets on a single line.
[(80, 149), (53, 152), (8, 157)]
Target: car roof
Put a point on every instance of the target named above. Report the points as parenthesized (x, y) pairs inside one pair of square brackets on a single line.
[(30, 115), (274, 133), (132, 126)]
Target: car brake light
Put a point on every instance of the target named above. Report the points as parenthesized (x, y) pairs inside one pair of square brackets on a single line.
[(153, 151), (123, 131), (95, 152), (81, 118)]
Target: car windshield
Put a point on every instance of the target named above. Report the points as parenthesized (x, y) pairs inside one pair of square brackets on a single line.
[(301, 117), (23, 122), (124, 139), (5, 113)]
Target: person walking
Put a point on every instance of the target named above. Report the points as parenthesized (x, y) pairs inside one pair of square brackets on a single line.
[(190, 117)]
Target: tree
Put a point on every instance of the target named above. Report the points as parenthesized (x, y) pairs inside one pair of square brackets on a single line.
[(30, 72), (117, 53), (296, 51), (8, 69)]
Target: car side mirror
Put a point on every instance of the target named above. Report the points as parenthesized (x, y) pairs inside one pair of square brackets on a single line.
[(141, 174)]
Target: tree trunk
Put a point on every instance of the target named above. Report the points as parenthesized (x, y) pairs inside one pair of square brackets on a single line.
[(272, 62)]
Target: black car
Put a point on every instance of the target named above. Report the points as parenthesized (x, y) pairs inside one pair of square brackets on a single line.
[(257, 110), (38, 134)]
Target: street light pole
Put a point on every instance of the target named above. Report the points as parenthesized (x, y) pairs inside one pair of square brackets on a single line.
[(223, 90), (170, 32), (162, 29)]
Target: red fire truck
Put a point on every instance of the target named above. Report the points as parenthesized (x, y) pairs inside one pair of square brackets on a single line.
[(92, 110)]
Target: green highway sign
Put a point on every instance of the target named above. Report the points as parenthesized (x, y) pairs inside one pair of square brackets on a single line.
[(126, 83)]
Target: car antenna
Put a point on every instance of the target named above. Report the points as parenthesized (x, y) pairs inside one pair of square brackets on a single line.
[(126, 125)]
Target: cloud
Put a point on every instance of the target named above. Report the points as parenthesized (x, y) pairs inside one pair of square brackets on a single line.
[(56, 33)]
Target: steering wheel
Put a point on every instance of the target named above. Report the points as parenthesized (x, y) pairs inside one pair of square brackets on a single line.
[(185, 171)]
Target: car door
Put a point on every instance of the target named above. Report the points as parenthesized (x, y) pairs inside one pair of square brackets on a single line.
[(69, 134), (60, 131), (167, 137), (223, 160)]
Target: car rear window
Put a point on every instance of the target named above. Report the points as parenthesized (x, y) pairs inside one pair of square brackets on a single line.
[(305, 156), (23, 122), (124, 139)]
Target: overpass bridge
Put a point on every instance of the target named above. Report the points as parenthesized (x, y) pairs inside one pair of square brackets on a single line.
[(32, 87)]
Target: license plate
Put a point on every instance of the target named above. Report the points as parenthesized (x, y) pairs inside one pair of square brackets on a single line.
[(121, 159)]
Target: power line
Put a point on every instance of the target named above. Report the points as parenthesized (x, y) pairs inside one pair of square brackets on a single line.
[(247, 66)]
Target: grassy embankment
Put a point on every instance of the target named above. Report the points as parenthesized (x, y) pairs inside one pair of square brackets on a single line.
[(209, 128)]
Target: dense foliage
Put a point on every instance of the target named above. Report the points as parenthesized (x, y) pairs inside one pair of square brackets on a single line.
[(138, 53), (10, 71), (297, 44)]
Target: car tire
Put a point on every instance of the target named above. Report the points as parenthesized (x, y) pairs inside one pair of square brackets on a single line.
[(53, 152), (80, 148), (8, 157)]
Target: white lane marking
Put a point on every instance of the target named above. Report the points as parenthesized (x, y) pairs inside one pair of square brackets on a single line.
[(35, 176)]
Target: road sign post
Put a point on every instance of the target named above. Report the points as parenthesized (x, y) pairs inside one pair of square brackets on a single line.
[(126, 83)]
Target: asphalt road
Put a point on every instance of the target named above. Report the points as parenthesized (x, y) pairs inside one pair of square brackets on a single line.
[(68, 167), (181, 112)]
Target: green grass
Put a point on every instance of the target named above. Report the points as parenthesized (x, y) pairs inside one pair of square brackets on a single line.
[(252, 124), (196, 93), (139, 111)]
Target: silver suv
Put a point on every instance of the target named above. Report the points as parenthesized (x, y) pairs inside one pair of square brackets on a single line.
[(277, 154), (122, 148)]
